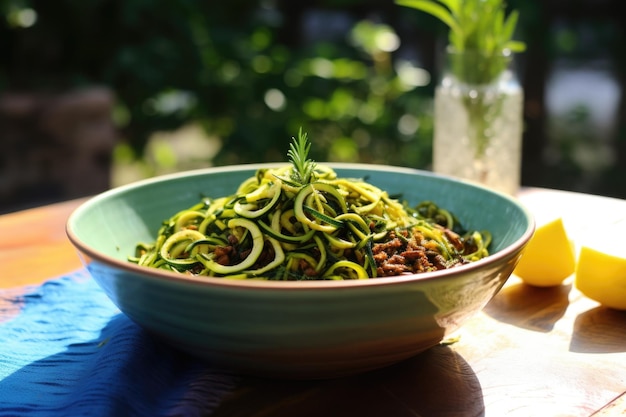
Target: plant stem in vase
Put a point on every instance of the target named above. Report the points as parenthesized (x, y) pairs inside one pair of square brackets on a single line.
[(478, 128), (478, 103)]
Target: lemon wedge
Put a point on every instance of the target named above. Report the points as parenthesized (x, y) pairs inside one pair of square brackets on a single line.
[(602, 277), (549, 256)]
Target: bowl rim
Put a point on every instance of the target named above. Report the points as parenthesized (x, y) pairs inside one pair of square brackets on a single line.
[(243, 284)]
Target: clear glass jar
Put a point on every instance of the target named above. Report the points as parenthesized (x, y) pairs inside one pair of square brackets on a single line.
[(479, 121)]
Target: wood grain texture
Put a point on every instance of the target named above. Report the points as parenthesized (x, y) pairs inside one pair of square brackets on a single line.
[(34, 246), (530, 352)]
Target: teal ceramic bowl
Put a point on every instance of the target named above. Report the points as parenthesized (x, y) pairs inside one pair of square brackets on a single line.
[(295, 330)]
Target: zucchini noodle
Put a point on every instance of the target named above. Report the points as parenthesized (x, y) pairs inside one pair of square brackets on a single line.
[(328, 228)]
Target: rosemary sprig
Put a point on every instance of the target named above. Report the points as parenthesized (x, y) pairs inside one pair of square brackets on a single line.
[(303, 168)]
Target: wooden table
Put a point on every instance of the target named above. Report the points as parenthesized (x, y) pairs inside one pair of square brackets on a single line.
[(531, 352)]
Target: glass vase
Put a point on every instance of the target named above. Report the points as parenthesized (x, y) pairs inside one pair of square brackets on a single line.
[(479, 121)]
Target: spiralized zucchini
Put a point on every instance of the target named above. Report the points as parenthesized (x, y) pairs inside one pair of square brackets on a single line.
[(302, 222)]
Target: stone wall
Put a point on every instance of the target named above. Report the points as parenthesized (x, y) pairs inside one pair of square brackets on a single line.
[(54, 147)]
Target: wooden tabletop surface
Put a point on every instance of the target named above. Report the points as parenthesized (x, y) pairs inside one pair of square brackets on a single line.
[(531, 352)]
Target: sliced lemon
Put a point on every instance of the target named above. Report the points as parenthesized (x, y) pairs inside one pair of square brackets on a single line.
[(549, 256), (602, 277)]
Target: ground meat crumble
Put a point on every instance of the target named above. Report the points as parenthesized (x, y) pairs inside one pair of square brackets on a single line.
[(411, 253)]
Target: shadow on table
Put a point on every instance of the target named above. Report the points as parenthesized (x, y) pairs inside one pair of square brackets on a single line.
[(128, 372), (436, 382), (600, 330), (532, 308)]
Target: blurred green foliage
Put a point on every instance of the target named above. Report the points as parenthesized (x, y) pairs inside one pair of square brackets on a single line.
[(249, 73), (203, 83)]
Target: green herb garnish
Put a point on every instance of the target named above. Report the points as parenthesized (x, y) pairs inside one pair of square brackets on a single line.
[(303, 168)]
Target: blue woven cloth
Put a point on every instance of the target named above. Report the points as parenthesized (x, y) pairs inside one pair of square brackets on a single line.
[(66, 350)]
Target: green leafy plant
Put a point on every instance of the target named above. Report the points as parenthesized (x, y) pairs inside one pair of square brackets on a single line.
[(481, 34), (480, 49)]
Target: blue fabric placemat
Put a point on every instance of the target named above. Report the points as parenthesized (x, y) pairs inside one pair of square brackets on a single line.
[(66, 350)]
